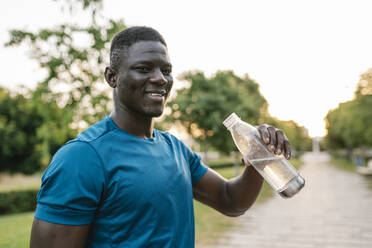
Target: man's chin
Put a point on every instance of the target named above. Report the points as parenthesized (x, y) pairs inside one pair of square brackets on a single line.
[(155, 113), (151, 111)]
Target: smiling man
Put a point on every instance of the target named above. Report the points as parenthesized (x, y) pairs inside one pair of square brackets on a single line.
[(122, 183)]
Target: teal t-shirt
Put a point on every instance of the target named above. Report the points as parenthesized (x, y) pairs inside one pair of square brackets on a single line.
[(134, 192)]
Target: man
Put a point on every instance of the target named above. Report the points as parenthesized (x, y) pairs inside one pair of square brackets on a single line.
[(122, 183)]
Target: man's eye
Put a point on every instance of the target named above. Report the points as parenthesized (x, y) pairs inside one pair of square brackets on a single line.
[(166, 72), (143, 69)]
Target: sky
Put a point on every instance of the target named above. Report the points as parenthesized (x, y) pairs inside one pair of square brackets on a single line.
[(306, 55)]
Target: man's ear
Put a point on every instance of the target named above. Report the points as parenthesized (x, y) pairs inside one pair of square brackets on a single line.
[(111, 77)]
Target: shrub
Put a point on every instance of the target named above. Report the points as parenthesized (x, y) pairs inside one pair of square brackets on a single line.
[(18, 201)]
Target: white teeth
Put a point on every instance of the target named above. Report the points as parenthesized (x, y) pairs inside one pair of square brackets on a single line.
[(155, 94)]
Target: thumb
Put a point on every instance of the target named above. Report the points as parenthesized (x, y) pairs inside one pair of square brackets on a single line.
[(246, 162)]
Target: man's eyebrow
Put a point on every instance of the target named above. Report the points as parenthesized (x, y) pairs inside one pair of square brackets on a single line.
[(147, 62)]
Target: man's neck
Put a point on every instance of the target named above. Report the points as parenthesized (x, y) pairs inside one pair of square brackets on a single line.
[(133, 124)]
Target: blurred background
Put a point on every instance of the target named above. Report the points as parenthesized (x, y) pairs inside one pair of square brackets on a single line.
[(302, 66)]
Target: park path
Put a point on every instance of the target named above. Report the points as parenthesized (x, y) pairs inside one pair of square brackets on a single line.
[(334, 210)]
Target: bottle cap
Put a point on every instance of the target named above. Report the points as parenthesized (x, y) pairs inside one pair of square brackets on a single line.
[(231, 121)]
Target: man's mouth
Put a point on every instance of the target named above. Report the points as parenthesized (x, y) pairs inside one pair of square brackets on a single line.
[(156, 95)]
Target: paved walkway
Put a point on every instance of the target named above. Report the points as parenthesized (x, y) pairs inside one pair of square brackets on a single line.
[(334, 210)]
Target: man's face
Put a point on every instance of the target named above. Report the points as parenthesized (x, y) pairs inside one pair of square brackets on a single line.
[(144, 79)]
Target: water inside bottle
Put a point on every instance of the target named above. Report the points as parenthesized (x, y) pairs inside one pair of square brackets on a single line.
[(276, 171)]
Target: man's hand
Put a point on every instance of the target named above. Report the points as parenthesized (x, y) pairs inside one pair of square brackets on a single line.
[(275, 139)]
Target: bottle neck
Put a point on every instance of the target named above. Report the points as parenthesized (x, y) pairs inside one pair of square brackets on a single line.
[(233, 120)]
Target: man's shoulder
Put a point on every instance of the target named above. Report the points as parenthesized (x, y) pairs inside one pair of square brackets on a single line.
[(96, 131), (75, 155), (167, 136), (171, 139), (74, 150), (83, 145)]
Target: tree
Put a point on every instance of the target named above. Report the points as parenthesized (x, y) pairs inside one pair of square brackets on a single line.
[(350, 124), (18, 124), (55, 130), (74, 58), (207, 102), (204, 104), (364, 86), (26, 137), (70, 96), (296, 134)]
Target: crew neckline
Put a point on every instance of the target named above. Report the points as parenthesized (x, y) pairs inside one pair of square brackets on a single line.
[(148, 140)]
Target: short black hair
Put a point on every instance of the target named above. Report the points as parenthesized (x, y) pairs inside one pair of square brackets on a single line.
[(127, 37)]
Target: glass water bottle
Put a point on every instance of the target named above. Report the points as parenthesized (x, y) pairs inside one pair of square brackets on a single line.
[(276, 170)]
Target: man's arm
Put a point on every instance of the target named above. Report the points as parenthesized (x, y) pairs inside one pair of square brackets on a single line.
[(233, 197), (49, 235), (70, 194), (230, 197)]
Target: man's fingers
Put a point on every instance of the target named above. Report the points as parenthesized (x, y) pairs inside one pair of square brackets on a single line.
[(272, 144), (279, 142), (287, 149), (275, 139), (262, 129)]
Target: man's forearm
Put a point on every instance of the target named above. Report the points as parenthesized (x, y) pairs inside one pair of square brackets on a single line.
[(230, 197), (242, 191)]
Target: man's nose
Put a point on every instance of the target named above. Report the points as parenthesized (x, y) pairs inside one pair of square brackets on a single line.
[(158, 77)]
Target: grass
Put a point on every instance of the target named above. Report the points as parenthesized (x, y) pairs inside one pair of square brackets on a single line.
[(222, 161), (344, 164), (296, 162), (15, 230), (208, 222)]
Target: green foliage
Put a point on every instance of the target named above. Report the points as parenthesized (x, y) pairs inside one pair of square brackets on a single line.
[(19, 121), (30, 132), (343, 163), (18, 201), (72, 94), (85, 4), (296, 134), (54, 131), (350, 124), (74, 58), (204, 105), (364, 86)]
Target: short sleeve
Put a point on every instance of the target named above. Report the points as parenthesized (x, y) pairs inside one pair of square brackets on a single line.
[(197, 167), (72, 186)]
